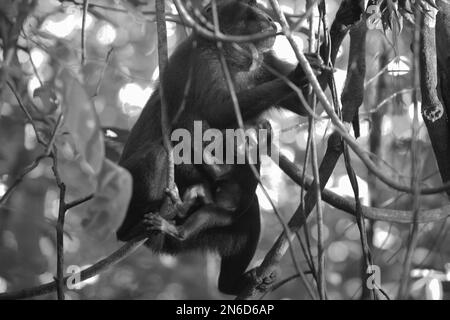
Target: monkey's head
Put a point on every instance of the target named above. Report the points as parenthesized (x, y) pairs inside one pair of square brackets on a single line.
[(243, 17)]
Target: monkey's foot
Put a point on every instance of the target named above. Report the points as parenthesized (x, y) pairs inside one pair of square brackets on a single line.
[(154, 222), (265, 281)]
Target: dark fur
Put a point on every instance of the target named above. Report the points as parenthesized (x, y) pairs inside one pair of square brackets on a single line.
[(235, 237)]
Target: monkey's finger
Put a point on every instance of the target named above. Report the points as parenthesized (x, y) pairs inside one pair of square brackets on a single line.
[(327, 68), (152, 218), (154, 224), (150, 214)]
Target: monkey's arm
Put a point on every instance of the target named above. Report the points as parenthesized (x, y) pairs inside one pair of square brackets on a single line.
[(218, 105), (291, 101)]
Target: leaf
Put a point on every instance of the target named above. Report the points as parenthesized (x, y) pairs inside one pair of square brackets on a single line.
[(48, 98), (80, 140), (107, 209)]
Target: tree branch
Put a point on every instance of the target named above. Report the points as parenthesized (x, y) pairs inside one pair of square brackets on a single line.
[(295, 173), (435, 110), (90, 272)]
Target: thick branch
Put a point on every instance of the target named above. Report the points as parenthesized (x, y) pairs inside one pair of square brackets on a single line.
[(435, 114), (443, 55), (335, 200)]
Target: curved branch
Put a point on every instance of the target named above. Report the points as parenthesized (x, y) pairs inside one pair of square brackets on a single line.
[(93, 270), (294, 172)]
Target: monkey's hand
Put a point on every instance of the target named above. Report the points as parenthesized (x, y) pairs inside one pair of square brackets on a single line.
[(262, 282), (298, 76), (173, 206), (154, 222)]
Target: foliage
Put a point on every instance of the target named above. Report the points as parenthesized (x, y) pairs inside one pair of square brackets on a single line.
[(76, 102)]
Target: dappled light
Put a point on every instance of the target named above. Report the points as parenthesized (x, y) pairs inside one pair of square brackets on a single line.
[(74, 81)]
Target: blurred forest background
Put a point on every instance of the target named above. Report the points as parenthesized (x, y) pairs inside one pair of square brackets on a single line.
[(104, 82)]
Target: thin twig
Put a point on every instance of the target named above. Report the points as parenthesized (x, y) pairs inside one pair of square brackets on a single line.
[(319, 211), (392, 96), (33, 65), (33, 165), (162, 61), (415, 181), (59, 229), (83, 31), (17, 182), (78, 202), (321, 283), (27, 114), (302, 205), (102, 73), (307, 254), (187, 88)]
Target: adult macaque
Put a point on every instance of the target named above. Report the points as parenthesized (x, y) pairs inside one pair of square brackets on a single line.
[(226, 218)]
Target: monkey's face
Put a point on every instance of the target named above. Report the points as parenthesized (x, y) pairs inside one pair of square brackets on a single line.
[(244, 17)]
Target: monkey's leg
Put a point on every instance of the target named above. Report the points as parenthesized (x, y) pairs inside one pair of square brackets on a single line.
[(180, 209), (255, 100), (233, 277), (206, 217), (221, 212)]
